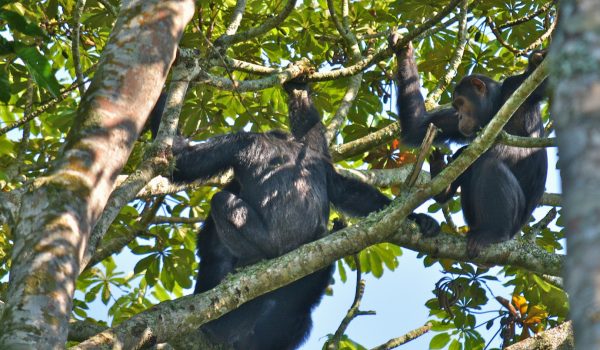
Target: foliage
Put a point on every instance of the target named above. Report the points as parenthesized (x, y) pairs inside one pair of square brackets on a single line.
[(36, 54)]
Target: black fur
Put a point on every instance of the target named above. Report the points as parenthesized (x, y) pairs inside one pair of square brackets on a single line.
[(503, 187), (279, 199)]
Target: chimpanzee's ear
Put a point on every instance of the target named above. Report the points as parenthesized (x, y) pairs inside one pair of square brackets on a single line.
[(479, 86)]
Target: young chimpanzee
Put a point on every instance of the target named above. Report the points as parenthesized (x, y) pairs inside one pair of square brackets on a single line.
[(502, 188), (279, 199)]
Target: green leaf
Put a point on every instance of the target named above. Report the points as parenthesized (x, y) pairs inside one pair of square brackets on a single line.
[(455, 345), (19, 23), (160, 293), (4, 87), (342, 271), (439, 341), (7, 147), (39, 68), (6, 46), (143, 264), (375, 263)]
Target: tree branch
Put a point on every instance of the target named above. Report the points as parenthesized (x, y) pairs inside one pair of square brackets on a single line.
[(352, 47), (543, 9), (459, 51), (270, 23), (396, 342), (291, 73), (236, 17), (353, 311), (557, 338), (40, 110), (526, 142), (154, 162), (56, 218), (79, 6), (514, 50), (170, 318), (108, 248)]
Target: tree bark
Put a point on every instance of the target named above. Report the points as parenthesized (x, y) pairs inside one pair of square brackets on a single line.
[(557, 338), (576, 60), (56, 216)]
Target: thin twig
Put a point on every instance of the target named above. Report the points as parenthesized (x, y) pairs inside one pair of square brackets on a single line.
[(552, 199), (396, 342), (554, 280), (514, 50), (448, 217), (353, 311), (79, 6), (268, 24), (40, 110), (108, 248), (540, 225), (423, 151), (544, 8), (176, 220), (17, 165)]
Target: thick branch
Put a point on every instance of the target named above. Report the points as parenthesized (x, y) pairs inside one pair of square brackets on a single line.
[(82, 330), (557, 338), (516, 253), (56, 218), (236, 17), (526, 142), (154, 163), (175, 317), (356, 147)]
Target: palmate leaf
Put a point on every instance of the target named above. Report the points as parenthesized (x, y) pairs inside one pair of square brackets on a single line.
[(39, 68), (18, 23)]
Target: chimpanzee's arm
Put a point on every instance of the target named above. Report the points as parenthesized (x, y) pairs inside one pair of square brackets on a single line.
[(202, 160), (511, 84), (411, 107), (352, 196), (210, 158)]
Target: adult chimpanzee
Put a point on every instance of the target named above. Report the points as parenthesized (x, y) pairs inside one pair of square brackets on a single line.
[(279, 199), (501, 189)]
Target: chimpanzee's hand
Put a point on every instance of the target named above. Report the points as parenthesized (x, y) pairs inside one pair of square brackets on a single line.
[(437, 162), (405, 51), (536, 57)]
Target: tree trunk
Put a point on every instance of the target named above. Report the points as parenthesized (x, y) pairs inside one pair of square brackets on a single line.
[(56, 217), (576, 110)]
